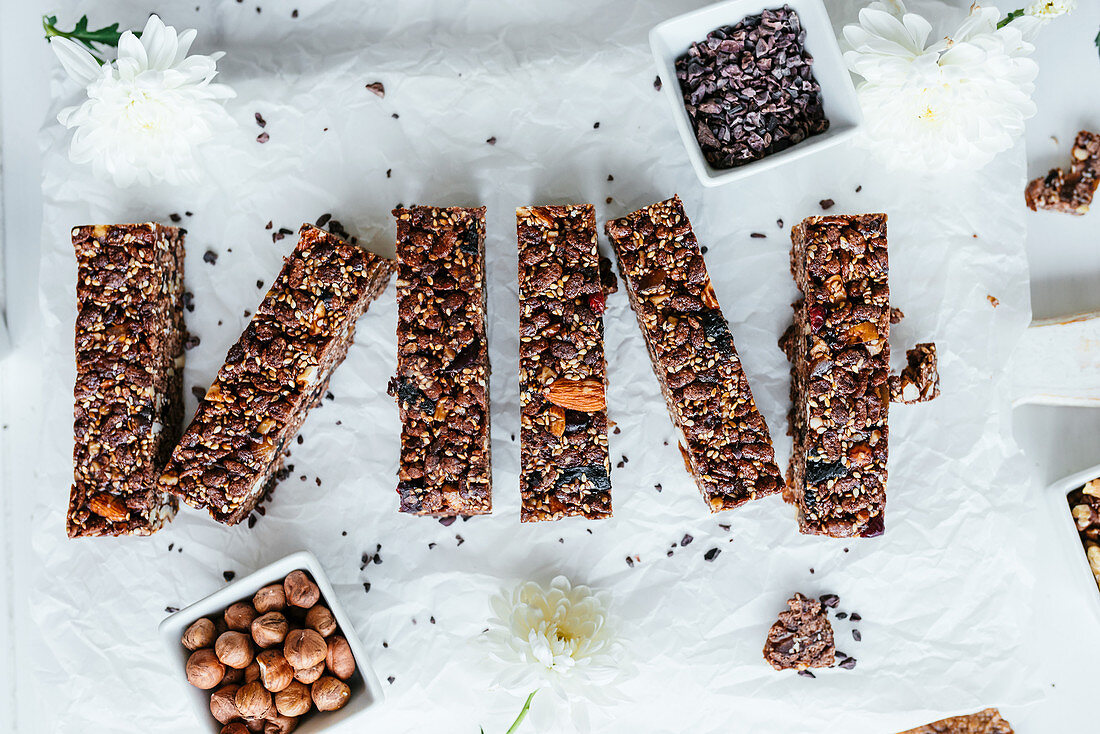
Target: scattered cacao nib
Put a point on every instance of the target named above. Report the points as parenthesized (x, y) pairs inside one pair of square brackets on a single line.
[(829, 600), (859, 188), (391, 679), (848, 663), (431, 545), (198, 392), (857, 635), (171, 610), (657, 83), (263, 137), (448, 520), (377, 88), (758, 235), (175, 217), (686, 540), (712, 554), (855, 616), (749, 89), (779, 223), (460, 539), (607, 200), (269, 224), (366, 587), (806, 674), (389, 173), (842, 615), (610, 177), (229, 575), (187, 214), (657, 487), (630, 561), (323, 220), (492, 140), (260, 120), (191, 342), (596, 126), (252, 520), (210, 257), (826, 204), (395, 115), (294, 13), (724, 526)]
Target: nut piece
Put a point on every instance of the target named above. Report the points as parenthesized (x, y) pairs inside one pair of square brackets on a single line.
[(108, 506), (304, 648), (204, 670), (586, 396), (339, 660), (330, 694), (199, 635), (308, 675), (269, 599), (235, 728), (222, 705), (270, 629), (320, 619), (300, 590), (280, 725), (293, 700), (234, 649), (253, 700), (239, 616), (233, 675), (275, 672)]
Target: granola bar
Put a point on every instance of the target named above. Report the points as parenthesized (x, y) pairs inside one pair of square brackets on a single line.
[(565, 466), (724, 439), (919, 382), (988, 721), (442, 382), (129, 365), (1084, 505), (840, 369), (801, 638), (273, 375), (1069, 193)]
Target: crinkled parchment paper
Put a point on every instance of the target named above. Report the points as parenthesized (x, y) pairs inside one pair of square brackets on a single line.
[(942, 629)]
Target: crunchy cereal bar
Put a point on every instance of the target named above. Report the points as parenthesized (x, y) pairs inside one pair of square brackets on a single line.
[(565, 467), (724, 439), (840, 369), (1070, 193), (129, 364), (273, 375), (442, 382), (801, 638), (988, 721)]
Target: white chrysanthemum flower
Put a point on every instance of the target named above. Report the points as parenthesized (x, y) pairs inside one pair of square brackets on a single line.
[(148, 112), (1051, 8), (558, 637), (954, 103)]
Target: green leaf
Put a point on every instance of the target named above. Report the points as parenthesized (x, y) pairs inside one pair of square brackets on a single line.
[(1010, 17), (105, 36), (1097, 41)]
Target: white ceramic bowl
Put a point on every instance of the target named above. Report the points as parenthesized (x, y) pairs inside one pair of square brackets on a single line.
[(672, 38), (366, 691), (1073, 550)]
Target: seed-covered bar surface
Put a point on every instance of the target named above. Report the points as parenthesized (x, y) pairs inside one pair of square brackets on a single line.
[(565, 466), (129, 365), (1070, 193), (988, 721), (274, 374), (724, 439), (840, 367), (442, 382)]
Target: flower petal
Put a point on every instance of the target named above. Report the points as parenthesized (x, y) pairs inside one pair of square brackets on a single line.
[(80, 65)]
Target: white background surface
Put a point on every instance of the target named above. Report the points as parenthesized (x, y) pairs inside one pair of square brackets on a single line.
[(1064, 262)]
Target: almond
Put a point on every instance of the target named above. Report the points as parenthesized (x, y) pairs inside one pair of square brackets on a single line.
[(109, 507), (709, 299), (557, 420), (585, 395)]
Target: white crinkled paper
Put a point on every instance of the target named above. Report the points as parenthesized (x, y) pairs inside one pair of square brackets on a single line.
[(942, 628)]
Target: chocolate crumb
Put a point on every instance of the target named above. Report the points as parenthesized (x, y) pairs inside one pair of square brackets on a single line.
[(269, 224), (391, 679), (198, 392), (171, 546), (630, 561), (395, 115), (260, 120), (366, 587), (389, 172), (344, 533), (431, 619), (229, 575), (431, 545), (210, 257), (175, 217), (686, 540), (658, 487), (657, 83), (294, 13), (669, 554), (596, 126), (610, 177), (620, 465), (191, 342), (617, 431), (263, 137), (826, 204), (607, 200), (492, 140), (377, 88), (859, 188), (703, 250), (779, 223), (712, 554)]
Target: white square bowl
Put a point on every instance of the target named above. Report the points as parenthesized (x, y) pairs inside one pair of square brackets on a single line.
[(1073, 550), (672, 38), (366, 691)]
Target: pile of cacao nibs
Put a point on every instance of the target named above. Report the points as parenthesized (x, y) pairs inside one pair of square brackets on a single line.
[(749, 89)]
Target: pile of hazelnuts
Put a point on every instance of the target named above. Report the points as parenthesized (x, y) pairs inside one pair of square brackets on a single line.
[(272, 659)]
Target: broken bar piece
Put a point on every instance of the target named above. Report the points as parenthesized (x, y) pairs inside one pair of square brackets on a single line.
[(724, 439), (273, 375), (129, 365), (801, 638), (988, 721), (840, 367), (565, 466), (442, 382), (1070, 193)]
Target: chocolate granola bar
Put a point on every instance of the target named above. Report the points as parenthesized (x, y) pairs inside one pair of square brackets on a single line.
[(919, 382), (801, 638), (840, 369), (724, 439), (988, 721), (129, 365), (1069, 193), (442, 382), (1085, 507), (565, 467), (273, 375)]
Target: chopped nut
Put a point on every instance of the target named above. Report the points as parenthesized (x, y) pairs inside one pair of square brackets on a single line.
[(585, 395)]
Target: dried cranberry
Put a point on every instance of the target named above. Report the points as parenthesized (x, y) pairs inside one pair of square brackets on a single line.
[(597, 302), (817, 317)]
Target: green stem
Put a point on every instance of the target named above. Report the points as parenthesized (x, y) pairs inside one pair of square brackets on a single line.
[(106, 36), (522, 713), (1010, 17)]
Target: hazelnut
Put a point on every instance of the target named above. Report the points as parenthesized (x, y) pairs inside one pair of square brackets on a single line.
[(199, 635), (280, 725), (308, 675), (253, 700), (255, 724), (293, 700), (204, 670), (234, 649), (252, 672), (269, 599), (304, 648), (222, 705), (233, 675), (275, 672), (320, 619), (300, 590), (270, 629), (330, 693), (239, 616), (339, 659), (235, 728)]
